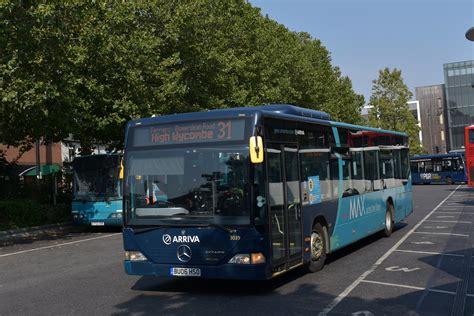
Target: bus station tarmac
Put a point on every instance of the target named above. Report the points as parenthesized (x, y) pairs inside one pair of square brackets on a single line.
[(429, 271), (424, 268)]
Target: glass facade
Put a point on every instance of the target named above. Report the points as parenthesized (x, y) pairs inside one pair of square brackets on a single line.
[(459, 84)]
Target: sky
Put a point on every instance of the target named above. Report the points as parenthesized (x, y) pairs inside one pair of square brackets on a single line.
[(364, 36)]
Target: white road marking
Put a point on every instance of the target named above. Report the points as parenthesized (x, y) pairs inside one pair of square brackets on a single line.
[(398, 269), (431, 253), (450, 234), (58, 245), (354, 284), (363, 313), (436, 221), (445, 216), (435, 227), (453, 213), (422, 242), (408, 287)]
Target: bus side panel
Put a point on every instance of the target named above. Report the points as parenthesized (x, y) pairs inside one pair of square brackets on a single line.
[(460, 176), (415, 178), (402, 201), (403, 205), (358, 216)]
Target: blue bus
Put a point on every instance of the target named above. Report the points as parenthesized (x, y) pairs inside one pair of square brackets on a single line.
[(253, 192), (97, 198), (440, 168)]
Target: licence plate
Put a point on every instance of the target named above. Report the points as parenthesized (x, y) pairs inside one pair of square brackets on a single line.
[(97, 224), (195, 272)]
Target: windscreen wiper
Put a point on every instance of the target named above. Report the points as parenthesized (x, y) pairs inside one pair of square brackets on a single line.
[(147, 229), (229, 230)]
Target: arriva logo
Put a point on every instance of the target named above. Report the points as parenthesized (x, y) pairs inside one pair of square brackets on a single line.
[(168, 240), (357, 207)]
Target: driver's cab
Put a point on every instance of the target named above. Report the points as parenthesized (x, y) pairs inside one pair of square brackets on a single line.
[(150, 190)]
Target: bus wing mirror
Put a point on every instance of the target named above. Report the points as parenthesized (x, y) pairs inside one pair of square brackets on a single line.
[(121, 170), (256, 149)]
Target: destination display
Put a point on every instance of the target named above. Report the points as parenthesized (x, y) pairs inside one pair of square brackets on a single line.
[(194, 132)]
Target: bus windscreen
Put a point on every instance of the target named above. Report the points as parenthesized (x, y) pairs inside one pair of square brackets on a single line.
[(189, 132)]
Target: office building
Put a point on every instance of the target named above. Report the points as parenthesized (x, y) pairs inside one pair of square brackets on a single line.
[(459, 89), (432, 115)]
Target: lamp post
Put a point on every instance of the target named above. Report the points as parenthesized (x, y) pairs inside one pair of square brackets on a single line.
[(470, 34)]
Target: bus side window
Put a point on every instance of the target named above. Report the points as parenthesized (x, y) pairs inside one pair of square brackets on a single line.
[(447, 165), (357, 174), (334, 166), (386, 168), (405, 163), (315, 162), (429, 166), (471, 136), (437, 166), (371, 170), (397, 167)]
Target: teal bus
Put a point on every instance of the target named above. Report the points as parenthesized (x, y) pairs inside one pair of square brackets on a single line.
[(253, 192), (97, 196)]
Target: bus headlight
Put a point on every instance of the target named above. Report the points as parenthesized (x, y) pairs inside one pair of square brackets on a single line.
[(134, 256), (248, 258)]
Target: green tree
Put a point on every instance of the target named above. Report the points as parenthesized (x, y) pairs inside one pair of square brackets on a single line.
[(83, 69), (390, 109)]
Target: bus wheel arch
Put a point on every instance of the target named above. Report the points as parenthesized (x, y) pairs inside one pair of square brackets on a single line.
[(389, 219)]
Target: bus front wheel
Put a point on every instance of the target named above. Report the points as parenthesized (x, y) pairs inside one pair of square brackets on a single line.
[(318, 249), (449, 180), (388, 221)]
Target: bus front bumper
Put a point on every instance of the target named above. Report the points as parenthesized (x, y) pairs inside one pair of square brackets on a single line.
[(81, 221), (224, 271)]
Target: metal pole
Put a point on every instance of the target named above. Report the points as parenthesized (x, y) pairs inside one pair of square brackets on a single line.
[(55, 188), (38, 162)]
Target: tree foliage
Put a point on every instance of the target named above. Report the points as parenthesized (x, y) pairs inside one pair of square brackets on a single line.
[(390, 108), (82, 69)]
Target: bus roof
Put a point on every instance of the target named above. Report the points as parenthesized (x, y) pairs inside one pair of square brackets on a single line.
[(432, 156), (233, 112), (366, 128), (284, 111)]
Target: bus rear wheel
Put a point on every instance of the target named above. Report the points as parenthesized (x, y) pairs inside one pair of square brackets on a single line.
[(317, 248), (449, 180), (388, 220)]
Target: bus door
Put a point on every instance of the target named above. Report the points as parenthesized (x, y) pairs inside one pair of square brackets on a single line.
[(284, 206)]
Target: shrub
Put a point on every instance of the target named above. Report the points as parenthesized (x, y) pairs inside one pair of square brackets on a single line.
[(26, 213)]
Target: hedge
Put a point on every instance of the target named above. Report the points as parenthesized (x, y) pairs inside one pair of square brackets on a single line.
[(25, 213)]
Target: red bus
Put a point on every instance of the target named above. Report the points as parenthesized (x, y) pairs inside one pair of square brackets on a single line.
[(469, 144)]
